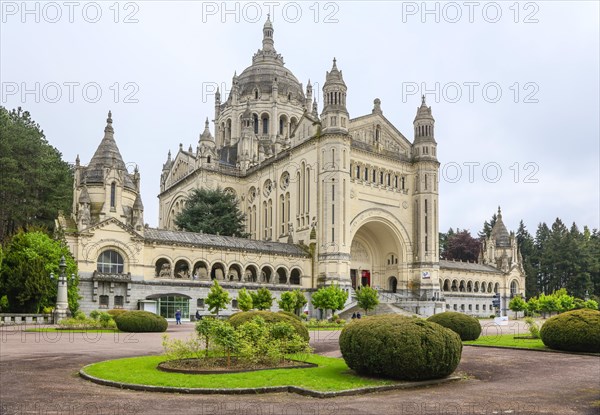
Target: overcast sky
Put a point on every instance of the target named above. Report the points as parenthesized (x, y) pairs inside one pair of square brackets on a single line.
[(514, 87)]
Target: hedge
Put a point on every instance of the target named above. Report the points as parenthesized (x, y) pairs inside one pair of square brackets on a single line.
[(468, 328), (399, 347), (576, 331), (116, 312), (140, 322), (270, 317)]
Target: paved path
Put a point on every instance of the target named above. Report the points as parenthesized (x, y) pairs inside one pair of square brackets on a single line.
[(38, 375)]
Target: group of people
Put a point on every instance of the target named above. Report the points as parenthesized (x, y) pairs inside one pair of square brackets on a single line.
[(356, 315)]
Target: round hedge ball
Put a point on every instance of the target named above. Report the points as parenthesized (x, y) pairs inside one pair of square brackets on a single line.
[(140, 322), (270, 317), (576, 331), (400, 347), (468, 328)]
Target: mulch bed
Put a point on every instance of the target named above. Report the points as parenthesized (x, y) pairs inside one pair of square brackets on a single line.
[(216, 365)]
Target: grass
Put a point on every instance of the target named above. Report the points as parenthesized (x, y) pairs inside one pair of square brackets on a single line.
[(331, 375), (508, 340), (55, 330)]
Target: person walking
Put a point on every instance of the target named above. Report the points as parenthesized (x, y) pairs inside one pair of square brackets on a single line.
[(178, 317)]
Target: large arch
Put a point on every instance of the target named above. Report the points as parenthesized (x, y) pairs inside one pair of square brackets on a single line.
[(377, 236)]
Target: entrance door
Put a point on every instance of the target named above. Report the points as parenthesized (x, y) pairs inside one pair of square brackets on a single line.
[(168, 305), (365, 279), (393, 284), (353, 278)]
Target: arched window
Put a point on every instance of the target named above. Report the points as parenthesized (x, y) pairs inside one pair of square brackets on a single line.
[(513, 288), (265, 125), (255, 120), (113, 195), (110, 262)]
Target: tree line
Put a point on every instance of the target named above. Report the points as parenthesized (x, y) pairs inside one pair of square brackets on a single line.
[(555, 257)]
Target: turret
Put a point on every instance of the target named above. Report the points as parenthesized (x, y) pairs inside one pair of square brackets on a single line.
[(334, 116), (217, 104), (424, 146)]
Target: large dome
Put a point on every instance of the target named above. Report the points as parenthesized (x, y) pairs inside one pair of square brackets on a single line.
[(268, 67)]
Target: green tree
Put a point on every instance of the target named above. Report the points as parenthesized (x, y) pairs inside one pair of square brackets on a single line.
[(217, 298), (331, 297), (244, 300), (517, 304), (548, 304), (226, 337), (262, 299), (205, 329), (212, 211), (287, 301), (367, 298), (487, 227), (525, 243), (301, 301), (533, 306), (444, 242), (35, 182), (292, 301), (29, 259)]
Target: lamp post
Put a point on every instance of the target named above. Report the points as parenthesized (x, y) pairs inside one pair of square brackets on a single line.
[(62, 300)]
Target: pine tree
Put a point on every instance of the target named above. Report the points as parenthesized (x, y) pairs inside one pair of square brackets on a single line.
[(35, 182), (487, 227), (526, 246), (212, 211)]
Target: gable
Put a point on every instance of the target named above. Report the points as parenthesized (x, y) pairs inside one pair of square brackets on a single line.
[(364, 129)]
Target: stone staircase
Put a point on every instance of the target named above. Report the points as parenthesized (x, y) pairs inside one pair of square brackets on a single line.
[(381, 308)]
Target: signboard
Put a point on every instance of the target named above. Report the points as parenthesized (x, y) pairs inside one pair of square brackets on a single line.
[(426, 274)]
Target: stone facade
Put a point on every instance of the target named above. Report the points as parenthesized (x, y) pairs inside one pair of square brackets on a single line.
[(357, 190)]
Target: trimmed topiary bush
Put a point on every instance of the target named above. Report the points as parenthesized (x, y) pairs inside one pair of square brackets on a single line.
[(576, 331), (400, 347), (468, 328), (140, 322), (270, 317), (287, 313), (116, 312)]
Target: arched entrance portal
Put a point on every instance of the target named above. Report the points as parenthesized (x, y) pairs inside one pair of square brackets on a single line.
[(375, 254), (392, 284)]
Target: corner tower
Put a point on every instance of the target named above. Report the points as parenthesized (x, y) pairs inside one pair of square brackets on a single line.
[(425, 202)]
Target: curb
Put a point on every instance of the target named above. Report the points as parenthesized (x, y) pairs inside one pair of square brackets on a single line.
[(267, 389), (534, 350)]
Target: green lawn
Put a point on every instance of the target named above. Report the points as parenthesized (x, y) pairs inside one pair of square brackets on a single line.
[(508, 340), (331, 375), (55, 330)]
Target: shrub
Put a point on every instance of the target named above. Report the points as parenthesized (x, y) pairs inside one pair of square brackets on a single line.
[(468, 328), (577, 331), (270, 317), (400, 348), (141, 322), (267, 343), (116, 312), (287, 313), (533, 327)]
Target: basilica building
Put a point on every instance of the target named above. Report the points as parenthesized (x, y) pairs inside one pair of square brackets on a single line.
[(328, 199)]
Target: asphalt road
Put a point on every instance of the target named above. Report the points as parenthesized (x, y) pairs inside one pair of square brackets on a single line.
[(38, 375)]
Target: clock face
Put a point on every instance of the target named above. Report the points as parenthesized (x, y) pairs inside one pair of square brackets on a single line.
[(425, 274)]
